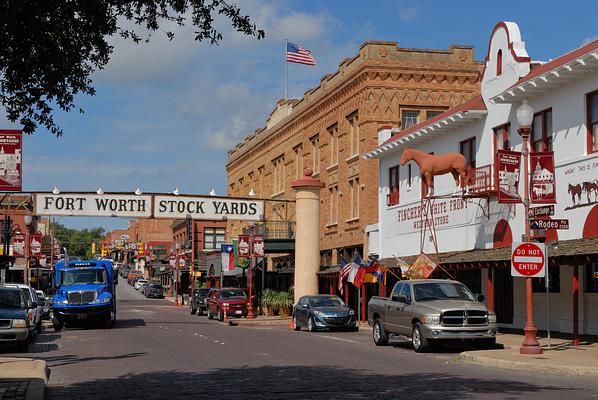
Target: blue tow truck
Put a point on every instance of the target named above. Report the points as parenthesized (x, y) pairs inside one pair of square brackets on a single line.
[(85, 291)]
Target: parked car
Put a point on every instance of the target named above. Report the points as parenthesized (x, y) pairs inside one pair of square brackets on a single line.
[(431, 310), (153, 290), (16, 312), (198, 301), (140, 282), (132, 275), (234, 300), (31, 296), (124, 270), (323, 312), (46, 301)]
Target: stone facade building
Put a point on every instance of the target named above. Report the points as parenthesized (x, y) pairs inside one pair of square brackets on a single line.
[(338, 121)]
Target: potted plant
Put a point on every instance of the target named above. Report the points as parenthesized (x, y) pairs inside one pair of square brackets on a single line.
[(266, 303), (286, 304)]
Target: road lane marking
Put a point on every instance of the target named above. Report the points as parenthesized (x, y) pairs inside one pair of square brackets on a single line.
[(339, 339)]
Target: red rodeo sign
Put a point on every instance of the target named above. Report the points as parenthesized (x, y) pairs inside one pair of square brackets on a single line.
[(11, 172), (542, 181), (508, 173)]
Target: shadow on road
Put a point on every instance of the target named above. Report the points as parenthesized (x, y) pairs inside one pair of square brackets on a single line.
[(57, 361), (309, 382)]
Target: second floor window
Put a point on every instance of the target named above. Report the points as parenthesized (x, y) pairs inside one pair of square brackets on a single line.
[(541, 136), (502, 137), (213, 238), (315, 153), (393, 186), (298, 150), (333, 144), (354, 199), (354, 138), (409, 118), (467, 148), (333, 210), (592, 116), (279, 174)]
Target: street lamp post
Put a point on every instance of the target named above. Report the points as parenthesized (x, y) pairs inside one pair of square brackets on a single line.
[(525, 116), (176, 280), (28, 218), (250, 310)]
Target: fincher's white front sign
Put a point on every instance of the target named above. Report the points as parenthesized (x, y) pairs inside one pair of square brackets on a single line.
[(93, 205)]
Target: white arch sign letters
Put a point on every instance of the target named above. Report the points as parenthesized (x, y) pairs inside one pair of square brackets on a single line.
[(147, 206)]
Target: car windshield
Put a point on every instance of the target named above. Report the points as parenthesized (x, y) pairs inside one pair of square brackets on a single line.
[(81, 276), (227, 294), (203, 292), (325, 302), (11, 298), (156, 286), (441, 290)]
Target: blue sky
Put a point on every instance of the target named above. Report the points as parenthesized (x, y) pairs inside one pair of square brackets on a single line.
[(165, 113)]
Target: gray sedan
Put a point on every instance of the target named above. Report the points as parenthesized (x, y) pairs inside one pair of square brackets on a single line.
[(323, 312)]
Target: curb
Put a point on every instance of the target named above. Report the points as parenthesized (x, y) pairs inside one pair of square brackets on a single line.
[(472, 358), (36, 389)]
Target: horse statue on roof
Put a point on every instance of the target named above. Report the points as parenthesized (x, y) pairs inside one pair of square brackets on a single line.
[(431, 165)]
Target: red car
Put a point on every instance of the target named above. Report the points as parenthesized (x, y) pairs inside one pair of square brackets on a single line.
[(234, 300)]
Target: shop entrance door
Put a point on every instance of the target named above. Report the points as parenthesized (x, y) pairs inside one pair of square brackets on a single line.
[(503, 295)]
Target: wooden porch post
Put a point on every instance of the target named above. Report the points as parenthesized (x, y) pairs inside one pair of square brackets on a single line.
[(576, 305), (490, 288)]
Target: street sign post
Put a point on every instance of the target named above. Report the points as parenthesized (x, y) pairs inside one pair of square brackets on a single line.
[(528, 260), (549, 224), (543, 211)]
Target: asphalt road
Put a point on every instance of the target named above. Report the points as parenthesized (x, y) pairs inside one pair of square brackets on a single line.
[(156, 351)]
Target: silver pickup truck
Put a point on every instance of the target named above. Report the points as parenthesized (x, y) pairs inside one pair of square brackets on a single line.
[(429, 311)]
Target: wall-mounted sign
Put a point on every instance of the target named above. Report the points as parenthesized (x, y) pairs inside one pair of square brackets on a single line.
[(11, 171), (542, 181), (93, 205), (542, 211), (508, 173), (209, 208)]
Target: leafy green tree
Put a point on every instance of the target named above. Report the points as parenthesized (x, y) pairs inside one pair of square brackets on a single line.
[(78, 242), (50, 48)]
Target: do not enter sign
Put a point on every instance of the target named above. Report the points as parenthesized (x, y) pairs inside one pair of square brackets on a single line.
[(528, 260)]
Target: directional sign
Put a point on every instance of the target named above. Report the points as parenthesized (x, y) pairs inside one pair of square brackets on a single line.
[(549, 224), (528, 260), (543, 211)]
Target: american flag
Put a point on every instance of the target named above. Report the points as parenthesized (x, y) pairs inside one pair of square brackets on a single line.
[(344, 272), (299, 55)]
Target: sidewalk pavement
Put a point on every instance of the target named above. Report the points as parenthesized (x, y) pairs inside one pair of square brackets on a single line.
[(562, 358), (23, 378)]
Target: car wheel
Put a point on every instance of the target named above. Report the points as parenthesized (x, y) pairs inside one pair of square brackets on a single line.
[(22, 346), (296, 325), (209, 314), (220, 315), (420, 343), (192, 310), (379, 334), (57, 324), (199, 312), (311, 325)]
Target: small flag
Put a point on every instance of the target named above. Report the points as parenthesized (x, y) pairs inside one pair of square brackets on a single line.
[(355, 265), (343, 273), (227, 252), (299, 55)]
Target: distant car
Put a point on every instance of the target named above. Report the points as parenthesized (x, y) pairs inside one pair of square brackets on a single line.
[(153, 290), (132, 275), (38, 309), (15, 313), (42, 299), (233, 300), (198, 301), (139, 283), (323, 312)]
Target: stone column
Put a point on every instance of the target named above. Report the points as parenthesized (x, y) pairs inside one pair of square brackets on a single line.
[(307, 237)]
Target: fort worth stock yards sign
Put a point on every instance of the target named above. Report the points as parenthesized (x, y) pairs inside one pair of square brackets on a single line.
[(147, 206)]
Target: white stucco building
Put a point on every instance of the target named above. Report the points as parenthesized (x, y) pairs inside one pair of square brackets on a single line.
[(474, 234)]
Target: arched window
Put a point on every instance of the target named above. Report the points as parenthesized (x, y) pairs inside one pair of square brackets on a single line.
[(499, 63)]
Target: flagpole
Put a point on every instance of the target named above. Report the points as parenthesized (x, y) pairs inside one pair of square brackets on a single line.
[(286, 69), (359, 306)]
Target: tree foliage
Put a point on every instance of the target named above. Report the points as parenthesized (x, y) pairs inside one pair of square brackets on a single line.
[(78, 242), (50, 48)]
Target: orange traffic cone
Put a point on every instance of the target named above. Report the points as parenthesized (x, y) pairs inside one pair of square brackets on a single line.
[(225, 318), (292, 324)]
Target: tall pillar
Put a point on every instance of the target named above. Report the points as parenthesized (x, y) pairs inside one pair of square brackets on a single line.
[(307, 237)]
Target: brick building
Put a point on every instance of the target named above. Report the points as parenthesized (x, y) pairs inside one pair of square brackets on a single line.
[(336, 122)]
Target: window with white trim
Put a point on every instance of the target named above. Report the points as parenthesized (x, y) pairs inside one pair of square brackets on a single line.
[(333, 144), (315, 153), (354, 136)]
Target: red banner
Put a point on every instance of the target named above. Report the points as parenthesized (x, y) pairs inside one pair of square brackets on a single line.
[(508, 173), (542, 180), (243, 246), (18, 245), (258, 246), (11, 172), (35, 248)]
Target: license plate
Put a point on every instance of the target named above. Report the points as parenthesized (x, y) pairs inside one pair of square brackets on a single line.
[(238, 312)]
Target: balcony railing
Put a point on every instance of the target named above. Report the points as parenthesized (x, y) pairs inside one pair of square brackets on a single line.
[(481, 180), (273, 229)]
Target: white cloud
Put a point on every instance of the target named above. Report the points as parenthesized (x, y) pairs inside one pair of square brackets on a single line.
[(408, 13), (227, 136), (588, 40)]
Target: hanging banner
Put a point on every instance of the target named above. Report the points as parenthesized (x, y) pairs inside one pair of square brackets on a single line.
[(18, 245), (258, 246), (36, 245), (508, 173), (243, 246), (11, 146), (542, 180), (422, 268)]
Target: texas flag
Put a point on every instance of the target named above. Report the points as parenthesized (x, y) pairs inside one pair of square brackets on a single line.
[(227, 252)]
